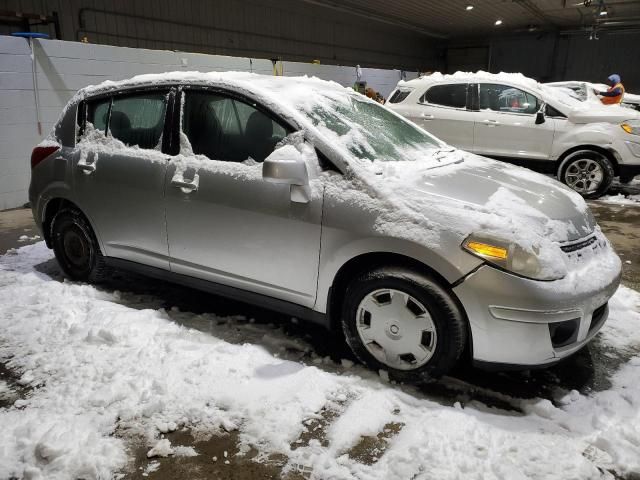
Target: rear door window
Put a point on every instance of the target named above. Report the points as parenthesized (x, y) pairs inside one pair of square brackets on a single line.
[(224, 128), (504, 98), (452, 95), (135, 120), (138, 120)]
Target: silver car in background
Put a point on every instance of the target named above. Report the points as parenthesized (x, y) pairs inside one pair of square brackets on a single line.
[(307, 198)]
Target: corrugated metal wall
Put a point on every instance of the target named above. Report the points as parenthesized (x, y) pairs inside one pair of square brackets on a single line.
[(290, 29), (551, 57)]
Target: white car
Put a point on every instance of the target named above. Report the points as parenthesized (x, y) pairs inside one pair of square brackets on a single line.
[(513, 118), (585, 92)]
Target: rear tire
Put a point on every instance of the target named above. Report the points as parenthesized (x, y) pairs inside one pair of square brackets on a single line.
[(75, 247), (392, 309), (588, 172)]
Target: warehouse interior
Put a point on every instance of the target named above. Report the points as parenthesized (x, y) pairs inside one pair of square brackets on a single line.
[(545, 39), (319, 239)]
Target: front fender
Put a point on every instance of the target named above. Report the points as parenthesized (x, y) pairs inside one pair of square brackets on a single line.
[(336, 252), (591, 134)]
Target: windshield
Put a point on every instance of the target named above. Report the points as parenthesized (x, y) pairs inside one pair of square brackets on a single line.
[(564, 96), (368, 130), (579, 92)]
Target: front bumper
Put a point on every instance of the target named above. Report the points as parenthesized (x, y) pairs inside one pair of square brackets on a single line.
[(515, 321), (627, 153)]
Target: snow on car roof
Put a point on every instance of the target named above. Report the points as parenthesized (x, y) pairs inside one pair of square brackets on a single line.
[(230, 78), (504, 77), (556, 95), (290, 91)]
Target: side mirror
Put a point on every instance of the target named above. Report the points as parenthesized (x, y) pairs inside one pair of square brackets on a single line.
[(287, 165), (540, 117)]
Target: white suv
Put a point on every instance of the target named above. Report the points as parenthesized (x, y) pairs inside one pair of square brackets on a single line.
[(513, 118)]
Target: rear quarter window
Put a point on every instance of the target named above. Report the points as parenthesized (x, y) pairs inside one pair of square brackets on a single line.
[(399, 96)]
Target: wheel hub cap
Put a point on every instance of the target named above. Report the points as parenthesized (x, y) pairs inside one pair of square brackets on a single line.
[(75, 248), (396, 329)]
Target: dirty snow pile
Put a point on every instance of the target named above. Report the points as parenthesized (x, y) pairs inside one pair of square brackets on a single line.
[(102, 372), (620, 199)]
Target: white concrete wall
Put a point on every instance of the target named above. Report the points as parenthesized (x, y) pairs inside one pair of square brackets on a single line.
[(18, 130), (64, 67)]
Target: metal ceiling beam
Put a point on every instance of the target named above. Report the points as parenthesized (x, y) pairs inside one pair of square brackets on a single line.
[(371, 15), (533, 8)]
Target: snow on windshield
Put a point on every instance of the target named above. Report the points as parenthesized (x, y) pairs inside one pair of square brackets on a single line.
[(368, 130)]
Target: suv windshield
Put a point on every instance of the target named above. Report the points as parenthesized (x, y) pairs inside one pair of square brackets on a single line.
[(368, 130), (579, 92)]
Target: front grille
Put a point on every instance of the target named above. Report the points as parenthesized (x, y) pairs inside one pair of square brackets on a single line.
[(574, 247), (597, 317)]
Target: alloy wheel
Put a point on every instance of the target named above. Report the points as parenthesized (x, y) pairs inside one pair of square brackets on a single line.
[(584, 175)]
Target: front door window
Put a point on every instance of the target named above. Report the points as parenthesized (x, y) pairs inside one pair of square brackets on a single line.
[(223, 128)]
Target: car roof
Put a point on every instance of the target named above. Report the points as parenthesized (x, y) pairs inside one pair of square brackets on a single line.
[(512, 79), (232, 80)]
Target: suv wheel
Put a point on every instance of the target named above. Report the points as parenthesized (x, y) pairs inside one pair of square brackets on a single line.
[(76, 247), (588, 172), (397, 320)]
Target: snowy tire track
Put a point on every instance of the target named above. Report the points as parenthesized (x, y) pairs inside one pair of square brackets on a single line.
[(98, 367)]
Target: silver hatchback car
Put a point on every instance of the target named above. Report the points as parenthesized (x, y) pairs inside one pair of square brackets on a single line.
[(309, 199)]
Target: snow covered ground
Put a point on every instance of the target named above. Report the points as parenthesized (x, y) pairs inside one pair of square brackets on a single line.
[(621, 199), (624, 194), (101, 370)]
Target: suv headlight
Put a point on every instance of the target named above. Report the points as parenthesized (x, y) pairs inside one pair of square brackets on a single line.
[(512, 257), (631, 126)]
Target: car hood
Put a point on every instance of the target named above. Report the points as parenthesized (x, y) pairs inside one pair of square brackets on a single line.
[(477, 194), (602, 113)]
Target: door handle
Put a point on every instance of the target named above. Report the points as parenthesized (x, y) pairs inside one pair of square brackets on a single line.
[(425, 116), (191, 186), (491, 123), (187, 186), (87, 168)]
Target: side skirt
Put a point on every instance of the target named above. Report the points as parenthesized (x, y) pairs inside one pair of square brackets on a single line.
[(233, 293), (541, 166)]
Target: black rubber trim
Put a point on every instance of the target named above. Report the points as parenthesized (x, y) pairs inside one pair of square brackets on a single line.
[(511, 367), (579, 245), (463, 278), (628, 170), (542, 166), (233, 293)]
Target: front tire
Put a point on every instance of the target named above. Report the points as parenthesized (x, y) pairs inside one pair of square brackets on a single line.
[(588, 172), (76, 248), (400, 321)]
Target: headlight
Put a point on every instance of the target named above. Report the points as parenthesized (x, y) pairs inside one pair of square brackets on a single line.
[(511, 257), (631, 126)]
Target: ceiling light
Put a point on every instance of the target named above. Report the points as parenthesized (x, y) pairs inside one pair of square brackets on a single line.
[(469, 7), (498, 22)]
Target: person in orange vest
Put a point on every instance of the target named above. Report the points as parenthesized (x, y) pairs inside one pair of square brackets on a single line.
[(615, 93)]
